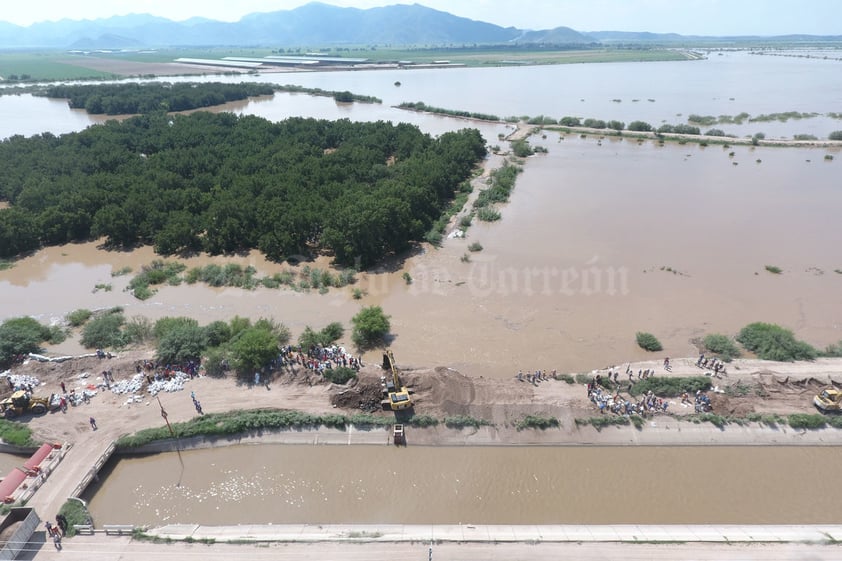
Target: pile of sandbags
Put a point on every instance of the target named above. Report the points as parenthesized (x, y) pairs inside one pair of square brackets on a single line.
[(174, 384), (133, 385), (22, 381)]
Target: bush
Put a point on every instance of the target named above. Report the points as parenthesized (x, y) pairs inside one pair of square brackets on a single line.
[(774, 270), (835, 135), (721, 345), (616, 125), (217, 333), (570, 121), (565, 378), (536, 422), (476, 246), (104, 331), (648, 342), (715, 132), (166, 324), (772, 342), (252, 349), (606, 420), (339, 374), (594, 123), (371, 326), (671, 386), (806, 421), (78, 317), (324, 338)]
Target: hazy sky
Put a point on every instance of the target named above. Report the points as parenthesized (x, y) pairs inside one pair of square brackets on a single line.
[(702, 17)]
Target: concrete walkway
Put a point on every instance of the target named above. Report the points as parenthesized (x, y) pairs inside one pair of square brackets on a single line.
[(503, 533)]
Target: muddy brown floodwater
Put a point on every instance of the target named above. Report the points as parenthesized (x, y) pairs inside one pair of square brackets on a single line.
[(602, 238), (473, 485)]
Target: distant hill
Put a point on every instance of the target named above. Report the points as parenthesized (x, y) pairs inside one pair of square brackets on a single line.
[(314, 24)]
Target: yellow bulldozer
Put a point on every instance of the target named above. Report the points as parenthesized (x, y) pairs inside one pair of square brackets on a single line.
[(397, 395), (21, 402), (829, 400)]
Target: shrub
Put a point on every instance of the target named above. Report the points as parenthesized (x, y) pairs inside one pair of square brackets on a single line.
[(326, 337), (476, 246), (252, 349), (339, 374), (835, 135), (217, 333), (104, 331), (715, 132), (21, 335), (606, 420), (671, 386), (616, 125), (575, 122), (536, 422), (594, 123), (407, 278), (721, 345), (774, 270), (648, 342), (78, 317), (773, 342), (371, 326)]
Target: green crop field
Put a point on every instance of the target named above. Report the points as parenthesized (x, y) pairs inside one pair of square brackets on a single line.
[(47, 65)]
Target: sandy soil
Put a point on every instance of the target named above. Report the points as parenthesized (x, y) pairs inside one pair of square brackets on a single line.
[(766, 387)]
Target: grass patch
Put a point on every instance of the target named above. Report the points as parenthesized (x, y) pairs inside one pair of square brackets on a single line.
[(716, 420), (121, 272), (6, 265), (537, 422), (774, 269), (16, 434), (486, 214), (671, 386), (566, 378), (648, 342)]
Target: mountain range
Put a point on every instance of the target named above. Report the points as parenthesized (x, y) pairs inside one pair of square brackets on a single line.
[(315, 24)]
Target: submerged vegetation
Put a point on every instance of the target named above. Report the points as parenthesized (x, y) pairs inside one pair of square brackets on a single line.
[(222, 183)]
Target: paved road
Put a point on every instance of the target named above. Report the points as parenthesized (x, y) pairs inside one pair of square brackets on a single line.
[(107, 548)]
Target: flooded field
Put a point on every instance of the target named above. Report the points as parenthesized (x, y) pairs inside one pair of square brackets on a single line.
[(475, 485), (601, 239)]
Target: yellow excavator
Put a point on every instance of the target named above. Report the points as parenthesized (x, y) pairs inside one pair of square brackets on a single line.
[(397, 395)]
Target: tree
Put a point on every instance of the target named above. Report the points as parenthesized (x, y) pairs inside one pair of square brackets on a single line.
[(835, 135), (253, 349), (182, 343), (371, 326), (648, 342), (616, 125), (20, 336), (773, 342), (104, 331), (640, 126)]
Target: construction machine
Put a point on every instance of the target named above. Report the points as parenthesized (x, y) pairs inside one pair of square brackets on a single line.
[(829, 400), (22, 402), (397, 395)]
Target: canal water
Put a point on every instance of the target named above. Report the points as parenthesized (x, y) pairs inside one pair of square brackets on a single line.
[(262, 484)]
